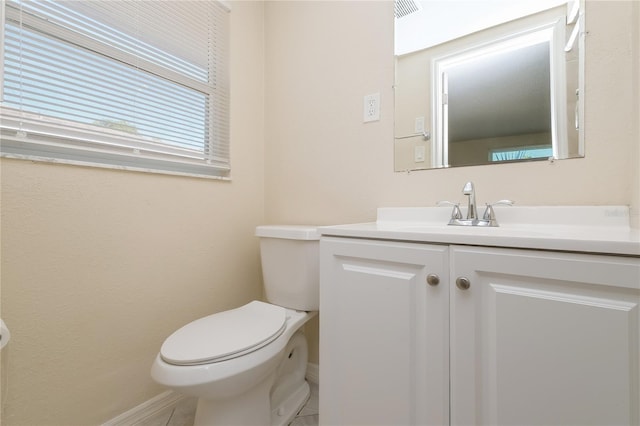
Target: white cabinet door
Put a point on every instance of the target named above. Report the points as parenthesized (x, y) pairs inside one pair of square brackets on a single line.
[(544, 338), (384, 333)]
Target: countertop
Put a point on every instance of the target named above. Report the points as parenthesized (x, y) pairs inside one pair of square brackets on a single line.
[(587, 229)]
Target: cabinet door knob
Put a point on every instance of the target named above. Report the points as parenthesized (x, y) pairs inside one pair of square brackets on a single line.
[(433, 279), (463, 283)]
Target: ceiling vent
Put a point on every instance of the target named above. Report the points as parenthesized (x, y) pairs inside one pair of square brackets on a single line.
[(406, 7)]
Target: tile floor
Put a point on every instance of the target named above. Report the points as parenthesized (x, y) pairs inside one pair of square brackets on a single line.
[(183, 414)]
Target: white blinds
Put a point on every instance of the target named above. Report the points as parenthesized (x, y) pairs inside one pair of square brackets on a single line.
[(136, 84)]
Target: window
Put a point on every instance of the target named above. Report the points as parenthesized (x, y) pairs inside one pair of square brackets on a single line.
[(135, 85), (520, 153)]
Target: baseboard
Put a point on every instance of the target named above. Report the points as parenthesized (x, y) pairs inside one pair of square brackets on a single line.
[(313, 373), (147, 409)]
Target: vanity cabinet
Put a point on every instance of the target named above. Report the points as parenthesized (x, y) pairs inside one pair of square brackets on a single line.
[(504, 336), (384, 333)]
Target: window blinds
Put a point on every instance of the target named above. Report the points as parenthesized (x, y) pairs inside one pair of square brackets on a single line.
[(133, 84)]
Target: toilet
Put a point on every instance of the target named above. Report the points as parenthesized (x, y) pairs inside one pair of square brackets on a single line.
[(247, 365)]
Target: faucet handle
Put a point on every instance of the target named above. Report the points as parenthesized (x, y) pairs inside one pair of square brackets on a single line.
[(456, 213), (490, 215), (503, 202)]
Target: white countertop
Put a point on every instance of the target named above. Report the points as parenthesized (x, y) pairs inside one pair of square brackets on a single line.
[(589, 229)]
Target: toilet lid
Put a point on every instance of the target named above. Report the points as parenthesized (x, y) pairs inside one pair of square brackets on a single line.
[(225, 335)]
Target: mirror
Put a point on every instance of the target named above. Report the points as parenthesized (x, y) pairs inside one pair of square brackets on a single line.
[(472, 91)]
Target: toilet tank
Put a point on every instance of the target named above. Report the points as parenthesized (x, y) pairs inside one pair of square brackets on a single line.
[(290, 257)]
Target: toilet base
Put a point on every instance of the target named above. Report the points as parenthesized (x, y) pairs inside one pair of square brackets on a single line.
[(286, 412), (249, 408), (277, 398), (234, 412)]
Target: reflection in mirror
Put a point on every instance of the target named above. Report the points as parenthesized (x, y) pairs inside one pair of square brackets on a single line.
[(498, 104), (502, 94)]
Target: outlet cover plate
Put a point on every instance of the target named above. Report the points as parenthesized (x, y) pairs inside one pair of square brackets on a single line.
[(371, 107)]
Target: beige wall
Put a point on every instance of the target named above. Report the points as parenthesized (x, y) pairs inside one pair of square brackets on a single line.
[(100, 266), (323, 165)]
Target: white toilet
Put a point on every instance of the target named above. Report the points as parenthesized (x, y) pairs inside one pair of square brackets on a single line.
[(247, 365)]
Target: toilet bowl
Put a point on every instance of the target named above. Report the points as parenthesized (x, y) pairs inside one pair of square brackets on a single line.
[(247, 365)]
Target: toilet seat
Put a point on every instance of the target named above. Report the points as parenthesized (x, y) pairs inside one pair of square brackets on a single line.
[(225, 335)]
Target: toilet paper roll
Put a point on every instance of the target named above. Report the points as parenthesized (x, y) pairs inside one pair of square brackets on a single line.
[(4, 334)]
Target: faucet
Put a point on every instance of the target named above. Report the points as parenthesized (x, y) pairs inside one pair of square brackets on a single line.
[(489, 217), (470, 191)]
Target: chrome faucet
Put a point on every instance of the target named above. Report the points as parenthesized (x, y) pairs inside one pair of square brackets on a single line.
[(470, 191), (488, 218)]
